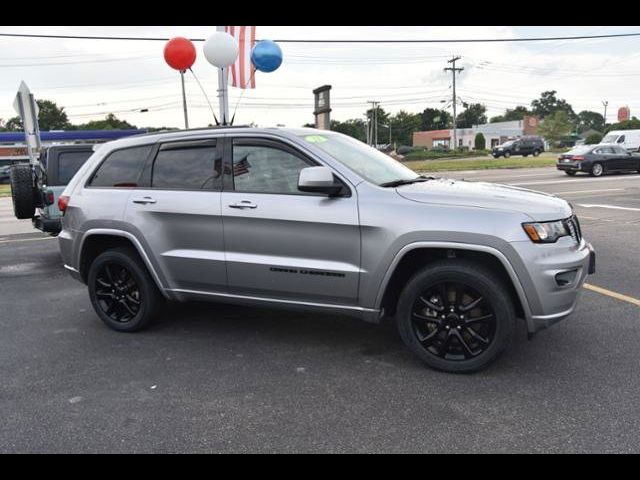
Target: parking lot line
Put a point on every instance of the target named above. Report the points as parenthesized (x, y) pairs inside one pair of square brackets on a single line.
[(26, 240), (616, 295), (613, 207), (590, 191), (577, 180)]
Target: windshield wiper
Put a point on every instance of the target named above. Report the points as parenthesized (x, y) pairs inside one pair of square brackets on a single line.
[(397, 183)]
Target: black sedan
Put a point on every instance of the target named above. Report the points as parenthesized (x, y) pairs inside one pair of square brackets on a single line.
[(598, 160)]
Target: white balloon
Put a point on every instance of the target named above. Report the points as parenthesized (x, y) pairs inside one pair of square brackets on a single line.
[(221, 49)]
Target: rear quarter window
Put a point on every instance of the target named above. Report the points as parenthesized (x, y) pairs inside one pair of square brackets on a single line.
[(121, 168)]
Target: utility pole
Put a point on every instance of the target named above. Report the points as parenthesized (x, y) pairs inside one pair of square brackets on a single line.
[(454, 70), (605, 103), (374, 125)]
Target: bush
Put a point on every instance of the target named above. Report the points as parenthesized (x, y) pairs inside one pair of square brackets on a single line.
[(479, 142), (404, 149), (435, 154), (593, 139)]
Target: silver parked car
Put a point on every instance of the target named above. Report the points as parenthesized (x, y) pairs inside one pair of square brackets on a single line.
[(317, 220)]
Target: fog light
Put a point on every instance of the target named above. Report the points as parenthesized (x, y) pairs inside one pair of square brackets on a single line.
[(566, 278)]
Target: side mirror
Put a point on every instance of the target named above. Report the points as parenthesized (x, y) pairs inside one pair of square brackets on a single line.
[(318, 180)]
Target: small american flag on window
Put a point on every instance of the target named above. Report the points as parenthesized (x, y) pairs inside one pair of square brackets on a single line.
[(241, 167), (242, 72)]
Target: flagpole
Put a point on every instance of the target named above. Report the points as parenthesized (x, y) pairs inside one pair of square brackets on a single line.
[(223, 81), (184, 101)]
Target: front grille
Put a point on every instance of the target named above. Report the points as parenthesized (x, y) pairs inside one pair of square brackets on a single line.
[(573, 225)]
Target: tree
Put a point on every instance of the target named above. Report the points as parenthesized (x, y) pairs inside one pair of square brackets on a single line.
[(355, 128), (434, 119), (588, 120), (593, 139), (14, 124), (555, 127), (50, 117), (480, 142), (549, 104), (403, 124), (632, 124), (111, 122), (474, 114)]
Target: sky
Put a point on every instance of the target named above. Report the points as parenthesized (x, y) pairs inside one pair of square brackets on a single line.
[(91, 78)]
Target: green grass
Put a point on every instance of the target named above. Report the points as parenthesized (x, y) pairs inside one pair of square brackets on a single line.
[(5, 190), (482, 163)]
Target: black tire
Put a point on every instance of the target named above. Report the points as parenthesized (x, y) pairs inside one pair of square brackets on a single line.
[(506, 154), (571, 174), (495, 156), (536, 153), (120, 283), (466, 277), (597, 170), (22, 191)]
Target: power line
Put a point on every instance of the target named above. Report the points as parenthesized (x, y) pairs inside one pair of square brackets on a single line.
[(346, 41)]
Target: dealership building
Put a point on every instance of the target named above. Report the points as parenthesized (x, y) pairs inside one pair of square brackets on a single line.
[(494, 134)]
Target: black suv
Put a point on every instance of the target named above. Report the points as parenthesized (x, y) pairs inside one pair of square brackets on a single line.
[(524, 146)]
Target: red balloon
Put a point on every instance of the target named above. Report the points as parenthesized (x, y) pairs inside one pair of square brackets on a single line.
[(180, 53)]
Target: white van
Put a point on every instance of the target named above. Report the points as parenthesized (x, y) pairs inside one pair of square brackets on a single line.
[(629, 139)]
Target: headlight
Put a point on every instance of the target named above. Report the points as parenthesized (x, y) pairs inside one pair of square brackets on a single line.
[(546, 232)]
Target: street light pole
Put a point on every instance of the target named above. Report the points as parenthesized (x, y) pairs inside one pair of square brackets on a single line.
[(605, 103)]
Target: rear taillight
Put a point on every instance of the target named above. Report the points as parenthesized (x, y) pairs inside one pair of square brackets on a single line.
[(578, 158), (63, 201)]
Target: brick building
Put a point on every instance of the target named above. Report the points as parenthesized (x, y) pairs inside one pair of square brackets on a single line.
[(494, 134)]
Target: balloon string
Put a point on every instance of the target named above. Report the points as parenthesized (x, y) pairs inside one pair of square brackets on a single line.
[(205, 96), (253, 72)]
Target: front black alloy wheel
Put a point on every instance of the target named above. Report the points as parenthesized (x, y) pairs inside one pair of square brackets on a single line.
[(453, 321), (122, 292), (456, 315)]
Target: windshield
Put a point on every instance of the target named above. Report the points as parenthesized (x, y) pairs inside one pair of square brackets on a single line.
[(366, 161), (580, 150), (609, 139)]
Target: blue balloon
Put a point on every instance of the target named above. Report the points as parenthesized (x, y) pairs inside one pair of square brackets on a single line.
[(266, 56)]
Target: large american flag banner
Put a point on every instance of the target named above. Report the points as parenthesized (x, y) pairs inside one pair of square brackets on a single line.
[(242, 71)]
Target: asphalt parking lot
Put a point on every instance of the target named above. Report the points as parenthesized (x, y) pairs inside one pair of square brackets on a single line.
[(215, 378)]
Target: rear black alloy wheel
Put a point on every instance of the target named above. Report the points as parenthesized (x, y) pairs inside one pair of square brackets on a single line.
[(453, 321), (117, 293), (122, 292), (536, 153), (456, 315)]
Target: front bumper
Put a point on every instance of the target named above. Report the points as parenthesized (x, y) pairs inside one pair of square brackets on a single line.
[(556, 274)]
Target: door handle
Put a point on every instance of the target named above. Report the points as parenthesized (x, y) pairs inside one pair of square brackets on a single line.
[(243, 204), (144, 200)]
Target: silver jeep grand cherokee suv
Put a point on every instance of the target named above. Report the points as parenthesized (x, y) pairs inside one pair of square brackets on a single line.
[(317, 220)]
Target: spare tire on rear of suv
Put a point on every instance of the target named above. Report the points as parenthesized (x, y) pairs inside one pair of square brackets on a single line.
[(22, 191)]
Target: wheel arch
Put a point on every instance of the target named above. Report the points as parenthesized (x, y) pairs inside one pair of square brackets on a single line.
[(96, 241), (416, 256)]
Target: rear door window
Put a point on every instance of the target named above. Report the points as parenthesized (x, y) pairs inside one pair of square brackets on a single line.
[(187, 166), (122, 168)]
